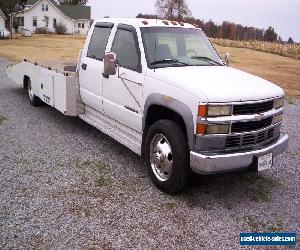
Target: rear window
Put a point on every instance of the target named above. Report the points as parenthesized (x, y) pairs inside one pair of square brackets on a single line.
[(98, 43)]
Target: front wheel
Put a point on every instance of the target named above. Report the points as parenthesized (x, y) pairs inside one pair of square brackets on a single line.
[(167, 156), (34, 100)]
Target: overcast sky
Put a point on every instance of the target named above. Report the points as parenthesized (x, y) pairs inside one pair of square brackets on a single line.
[(283, 15)]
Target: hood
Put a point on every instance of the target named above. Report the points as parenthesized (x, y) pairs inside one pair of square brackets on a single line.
[(219, 83)]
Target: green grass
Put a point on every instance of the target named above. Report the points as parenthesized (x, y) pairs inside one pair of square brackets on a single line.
[(258, 225), (103, 181), (2, 119), (102, 171), (259, 187)]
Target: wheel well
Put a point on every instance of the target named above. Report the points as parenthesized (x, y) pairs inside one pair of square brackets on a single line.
[(25, 82), (156, 113)]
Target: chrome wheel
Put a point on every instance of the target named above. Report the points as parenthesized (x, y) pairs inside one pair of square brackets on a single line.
[(161, 157), (30, 91)]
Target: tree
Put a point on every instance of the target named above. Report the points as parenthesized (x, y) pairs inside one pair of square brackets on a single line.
[(173, 9), (270, 35), (290, 41), (11, 6), (72, 2)]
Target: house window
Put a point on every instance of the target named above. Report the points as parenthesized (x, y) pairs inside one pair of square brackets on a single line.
[(54, 23), (82, 25), (20, 21), (79, 25), (34, 21), (44, 7)]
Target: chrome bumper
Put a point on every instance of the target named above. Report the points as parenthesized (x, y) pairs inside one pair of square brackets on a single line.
[(210, 164)]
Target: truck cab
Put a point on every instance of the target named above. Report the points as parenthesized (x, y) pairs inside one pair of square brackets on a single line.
[(160, 88)]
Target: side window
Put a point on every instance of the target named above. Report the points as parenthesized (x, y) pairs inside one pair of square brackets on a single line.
[(125, 47), (98, 43)]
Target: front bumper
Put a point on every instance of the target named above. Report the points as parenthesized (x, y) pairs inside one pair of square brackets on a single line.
[(210, 164)]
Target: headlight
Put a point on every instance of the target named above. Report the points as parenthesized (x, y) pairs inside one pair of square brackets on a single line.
[(278, 103), (218, 129), (277, 118), (204, 129), (219, 110), (214, 110)]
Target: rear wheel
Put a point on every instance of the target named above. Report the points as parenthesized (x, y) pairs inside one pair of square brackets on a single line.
[(34, 100), (167, 156)]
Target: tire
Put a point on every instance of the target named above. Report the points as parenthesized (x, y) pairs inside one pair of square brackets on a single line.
[(34, 100), (167, 156)]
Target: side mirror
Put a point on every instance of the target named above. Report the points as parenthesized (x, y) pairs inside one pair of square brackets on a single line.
[(110, 64), (227, 59)]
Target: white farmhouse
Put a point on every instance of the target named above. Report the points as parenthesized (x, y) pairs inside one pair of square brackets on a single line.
[(2, 20), (47, 13)]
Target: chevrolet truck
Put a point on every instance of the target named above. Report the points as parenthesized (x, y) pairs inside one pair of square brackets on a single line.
[(160, 88)]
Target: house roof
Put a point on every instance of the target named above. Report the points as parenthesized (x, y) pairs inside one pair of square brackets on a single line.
[(71, 11), (2, 15)]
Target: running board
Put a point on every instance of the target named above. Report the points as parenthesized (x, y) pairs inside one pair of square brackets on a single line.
[(121, 133)]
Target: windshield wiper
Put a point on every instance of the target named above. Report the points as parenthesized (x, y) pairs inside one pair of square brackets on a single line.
[(168, 61), (206, 59)]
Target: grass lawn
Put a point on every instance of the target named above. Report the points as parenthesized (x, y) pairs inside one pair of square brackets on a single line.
[(283, 71)]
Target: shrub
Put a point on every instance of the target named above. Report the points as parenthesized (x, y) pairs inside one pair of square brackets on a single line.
[(42, 30), (60, 29)]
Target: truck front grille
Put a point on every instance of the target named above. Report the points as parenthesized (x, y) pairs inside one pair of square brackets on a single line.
[(252, 108), (240, 127), (249, 139)]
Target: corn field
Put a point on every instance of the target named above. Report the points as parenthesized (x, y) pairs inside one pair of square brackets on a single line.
[(288, 50)]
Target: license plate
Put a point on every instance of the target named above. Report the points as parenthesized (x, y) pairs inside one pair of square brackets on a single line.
[(264, 162)]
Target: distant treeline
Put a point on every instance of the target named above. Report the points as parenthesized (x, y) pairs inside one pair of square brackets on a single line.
[(229, 30)]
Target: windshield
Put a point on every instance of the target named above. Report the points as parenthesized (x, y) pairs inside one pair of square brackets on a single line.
[(178, 47)]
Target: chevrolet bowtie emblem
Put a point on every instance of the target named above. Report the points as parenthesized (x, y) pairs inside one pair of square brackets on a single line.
[(259, 117)]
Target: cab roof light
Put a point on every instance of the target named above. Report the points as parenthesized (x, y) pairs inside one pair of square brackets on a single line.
[(202, 110), (174, 23), (145, 22), (165, 22)]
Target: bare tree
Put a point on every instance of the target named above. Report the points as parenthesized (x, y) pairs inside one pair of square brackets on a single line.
[(173, 9), (9, 7), (290, 41)]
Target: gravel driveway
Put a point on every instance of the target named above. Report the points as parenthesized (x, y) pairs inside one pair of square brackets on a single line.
[(65, 185)]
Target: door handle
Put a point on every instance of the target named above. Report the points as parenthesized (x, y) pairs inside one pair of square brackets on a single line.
[(84, 66)]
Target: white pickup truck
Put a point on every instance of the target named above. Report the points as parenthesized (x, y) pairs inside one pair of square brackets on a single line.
[(160, 88)]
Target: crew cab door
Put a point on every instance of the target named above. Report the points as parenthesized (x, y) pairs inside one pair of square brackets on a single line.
[(91, 67), (122, 93)]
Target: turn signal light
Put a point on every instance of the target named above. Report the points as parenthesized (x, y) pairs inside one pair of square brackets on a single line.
[(201, 129), (202, 110)]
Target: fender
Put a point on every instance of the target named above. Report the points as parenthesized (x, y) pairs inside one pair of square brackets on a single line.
[(176, 106)]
